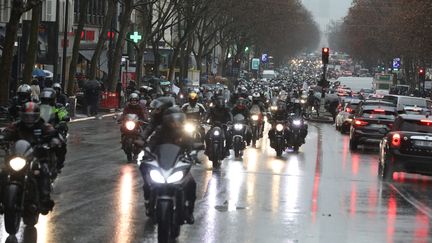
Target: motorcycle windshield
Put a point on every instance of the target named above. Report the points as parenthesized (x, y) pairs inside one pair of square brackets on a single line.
[(22, 149), (167, 155), (239, 118), (46, 112), (255, 109)]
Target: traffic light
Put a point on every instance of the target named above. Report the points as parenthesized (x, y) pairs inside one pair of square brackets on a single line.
[(422, 75), (325, 55)]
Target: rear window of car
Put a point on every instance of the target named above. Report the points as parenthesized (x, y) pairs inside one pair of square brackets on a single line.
[(412, 102), (378, 114), (415, 126), (392, 99)]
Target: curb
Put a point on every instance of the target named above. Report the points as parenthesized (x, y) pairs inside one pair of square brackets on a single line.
[(328, 120)]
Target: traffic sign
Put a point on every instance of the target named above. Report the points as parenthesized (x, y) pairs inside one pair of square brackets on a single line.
[(255, 63), (264, 58), (396, 63)]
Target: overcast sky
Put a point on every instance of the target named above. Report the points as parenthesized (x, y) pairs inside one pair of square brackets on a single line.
[(326, 10)]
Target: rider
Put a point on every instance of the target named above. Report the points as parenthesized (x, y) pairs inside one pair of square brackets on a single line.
[(133, 107), (242, 108), (194, 111), (219, 116), (281, 114), (169, 130), (36, 131), (61, 97), (23, 96)]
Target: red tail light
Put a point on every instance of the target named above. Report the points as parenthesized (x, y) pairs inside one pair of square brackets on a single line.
[(426, 122), (396, 140), (360, 123), (379, 110), (349, 110)]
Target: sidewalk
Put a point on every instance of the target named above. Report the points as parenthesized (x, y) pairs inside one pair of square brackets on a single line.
[(324, 115)]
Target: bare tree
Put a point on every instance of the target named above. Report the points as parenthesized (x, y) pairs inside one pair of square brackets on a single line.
[(33, 44)]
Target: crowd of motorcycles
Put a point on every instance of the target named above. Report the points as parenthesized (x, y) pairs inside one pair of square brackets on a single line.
[(163, 135), (216, 120)]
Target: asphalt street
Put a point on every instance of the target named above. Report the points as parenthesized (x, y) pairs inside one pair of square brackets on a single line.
[(325, 193)]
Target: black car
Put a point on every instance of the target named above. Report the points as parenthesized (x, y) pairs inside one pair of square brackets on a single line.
[(370, 124), (408, 147)]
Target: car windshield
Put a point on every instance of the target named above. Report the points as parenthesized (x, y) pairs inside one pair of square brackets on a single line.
[(415, 126), (378, 114)]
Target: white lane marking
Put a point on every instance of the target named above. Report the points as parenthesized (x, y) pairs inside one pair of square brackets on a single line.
[(92, 117), (416, 203)]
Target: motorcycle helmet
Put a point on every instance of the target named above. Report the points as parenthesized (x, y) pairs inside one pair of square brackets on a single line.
[(241, 104), (57, 87), (24, 93), (30, 114), (173, 118), (48, 97), (220, 102), (134, 99), (161, 104), (256, 96), (193, 98)]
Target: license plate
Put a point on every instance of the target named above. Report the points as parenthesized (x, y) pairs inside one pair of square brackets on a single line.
[(378, 126), (423, 143)]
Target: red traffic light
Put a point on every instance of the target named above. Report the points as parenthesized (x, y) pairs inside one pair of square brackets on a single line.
[(421, 71), (326, 50)]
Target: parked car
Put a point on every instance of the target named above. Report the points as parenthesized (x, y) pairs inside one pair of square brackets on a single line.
[(408, 147), (371, 124)]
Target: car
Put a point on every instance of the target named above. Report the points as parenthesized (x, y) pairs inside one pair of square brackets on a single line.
[(370, 124), (407, 148), (344, 117)]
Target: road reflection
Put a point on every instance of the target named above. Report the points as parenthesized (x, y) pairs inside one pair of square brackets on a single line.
[(125, 206)]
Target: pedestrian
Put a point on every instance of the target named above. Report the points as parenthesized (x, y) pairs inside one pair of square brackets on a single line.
[(35, 89), (92, 93)]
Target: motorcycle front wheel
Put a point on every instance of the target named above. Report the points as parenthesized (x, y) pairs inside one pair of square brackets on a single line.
[(12, 215), (167, 229)]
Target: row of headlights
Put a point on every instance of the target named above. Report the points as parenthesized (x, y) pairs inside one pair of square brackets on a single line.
[(157, 177)]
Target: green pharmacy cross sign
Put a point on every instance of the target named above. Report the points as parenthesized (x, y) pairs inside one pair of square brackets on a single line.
[(136, 37)]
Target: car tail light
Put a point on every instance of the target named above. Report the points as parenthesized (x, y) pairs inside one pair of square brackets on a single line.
[(426, 122), (379, 110), (396, 140), (349, 110), (360, 123)]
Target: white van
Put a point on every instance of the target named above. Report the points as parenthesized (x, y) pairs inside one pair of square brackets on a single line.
[(401, 101), (268, 75)]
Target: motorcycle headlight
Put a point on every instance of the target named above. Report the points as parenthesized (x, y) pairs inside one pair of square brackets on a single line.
[(156, 176), (216, 133), (279, 127), (17, 163), (273, 108), (211, 104), (297, 122), (189, 128), (177, 176), (238, 126), (303, 101), (130, 125), (255, 117)]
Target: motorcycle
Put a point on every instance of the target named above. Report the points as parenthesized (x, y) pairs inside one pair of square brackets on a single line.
[(296, 137), (279, 141), (21, 195), (238, 132), (216, 147), (167, 170), (131, 130), (256, 124)]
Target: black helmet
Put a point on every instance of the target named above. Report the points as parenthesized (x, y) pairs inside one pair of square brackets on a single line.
[(48, 96), (134, 99), (173, 118), (220, 102), (161, 104), (24, 93), (30, 114)]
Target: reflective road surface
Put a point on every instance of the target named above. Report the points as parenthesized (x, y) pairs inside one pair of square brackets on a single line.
[(324, 193)]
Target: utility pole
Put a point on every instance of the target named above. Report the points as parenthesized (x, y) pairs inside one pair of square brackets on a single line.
[(65, 43)]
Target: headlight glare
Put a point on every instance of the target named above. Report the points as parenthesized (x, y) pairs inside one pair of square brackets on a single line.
[(156, 176), (297, 122), (238, 126), (279, 127), (189, 127), (255, 117), (17, 163), (177, 176), (216, 133), (130, 125)]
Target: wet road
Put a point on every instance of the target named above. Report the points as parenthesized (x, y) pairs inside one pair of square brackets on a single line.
[(324, 193)]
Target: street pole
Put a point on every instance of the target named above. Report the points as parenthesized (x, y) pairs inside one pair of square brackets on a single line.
[(55, 78), (65, 42)]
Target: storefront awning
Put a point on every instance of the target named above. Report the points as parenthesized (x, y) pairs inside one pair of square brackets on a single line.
[(103, 61)]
